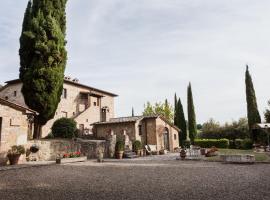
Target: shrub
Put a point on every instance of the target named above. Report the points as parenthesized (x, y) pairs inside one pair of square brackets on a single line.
[(231, 144), (120, 146), (64, 128), (247, 144), (208, 143), (137, 145), (16, 150), (186, 144), (238, 143)]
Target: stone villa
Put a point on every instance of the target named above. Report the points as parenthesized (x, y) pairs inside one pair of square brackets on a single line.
[(155, 130), (85, 104), (91, 108)]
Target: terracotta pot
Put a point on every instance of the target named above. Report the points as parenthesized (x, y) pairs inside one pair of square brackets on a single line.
[(138, 152), (13, 158), (119, 154), (183, 154), (203, 151)]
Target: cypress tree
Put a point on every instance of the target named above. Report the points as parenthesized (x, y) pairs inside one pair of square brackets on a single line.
[(175, 118), (192, 126), (252, 109), (181, 123), (132, 112), (43, 58)]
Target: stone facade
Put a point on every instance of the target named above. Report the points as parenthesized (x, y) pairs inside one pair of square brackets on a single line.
[(15, 125), (153, 130), (85, 104)]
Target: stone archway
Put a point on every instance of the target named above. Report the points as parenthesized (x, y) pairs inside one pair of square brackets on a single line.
[(166, 139)]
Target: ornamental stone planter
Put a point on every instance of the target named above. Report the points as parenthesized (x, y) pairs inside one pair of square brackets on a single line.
[(71, 160)]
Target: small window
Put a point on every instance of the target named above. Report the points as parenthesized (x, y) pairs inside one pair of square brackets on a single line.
[(95, 103), (86, 120), (174, 136), (6, 97), (73, 113), (98, 102), (15, 93), (140, 129), (64, 93)]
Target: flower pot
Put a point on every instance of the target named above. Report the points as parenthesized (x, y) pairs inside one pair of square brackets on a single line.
[(100, 157), (13, 158), (203, 151), (138, 152), (183, 154), (119, 154)]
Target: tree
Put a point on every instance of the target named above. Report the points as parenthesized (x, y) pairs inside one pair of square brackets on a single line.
[(252, 110), (176, 116), (43, 58), (164, 109), (181, 123), (192, 126), (132, 112), (267, 113)]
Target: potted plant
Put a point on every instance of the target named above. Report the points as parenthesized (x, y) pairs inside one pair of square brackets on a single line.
[(119, 149), (14, 154), (100, 154), (183, 154), (137, 147)]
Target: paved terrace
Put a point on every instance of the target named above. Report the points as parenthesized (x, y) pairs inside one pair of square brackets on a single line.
[(142, 178)]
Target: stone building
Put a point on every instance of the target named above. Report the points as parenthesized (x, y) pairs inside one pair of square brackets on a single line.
[(154, 130), (15, 125), (85, 104)]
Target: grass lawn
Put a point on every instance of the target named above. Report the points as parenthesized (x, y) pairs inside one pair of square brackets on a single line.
[(258, 156)]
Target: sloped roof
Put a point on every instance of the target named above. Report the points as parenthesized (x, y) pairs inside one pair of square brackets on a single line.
[(17, 106), (15, 81), (134, 119)]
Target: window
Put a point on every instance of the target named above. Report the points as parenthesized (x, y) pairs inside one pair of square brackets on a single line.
[(6, 97), (64, 94), (86, 120), (98, 102), (64, 114), (15, 93), (95, 103), (174, 136), (140, 129)]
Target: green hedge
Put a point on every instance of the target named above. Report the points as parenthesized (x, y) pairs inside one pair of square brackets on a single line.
[(64, 128), (241, 144), (208, 143)]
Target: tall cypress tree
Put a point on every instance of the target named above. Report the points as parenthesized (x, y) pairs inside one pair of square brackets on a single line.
[(252, 109), (175, 118), (43, 58), (192, 126), (181, 123)]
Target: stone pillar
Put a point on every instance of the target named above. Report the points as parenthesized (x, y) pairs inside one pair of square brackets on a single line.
[(128, 143), (111, 142)]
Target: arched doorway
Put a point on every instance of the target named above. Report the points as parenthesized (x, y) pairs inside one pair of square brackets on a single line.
[(166, 138)]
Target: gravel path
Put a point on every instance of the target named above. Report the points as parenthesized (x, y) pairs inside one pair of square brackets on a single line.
[(141, 179)]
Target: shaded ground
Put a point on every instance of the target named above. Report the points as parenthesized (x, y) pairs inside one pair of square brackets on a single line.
[(138, 179)]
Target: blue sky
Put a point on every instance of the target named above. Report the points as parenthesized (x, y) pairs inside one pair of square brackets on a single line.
[(146, 50)]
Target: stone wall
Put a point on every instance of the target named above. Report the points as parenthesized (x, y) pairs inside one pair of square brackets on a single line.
[(50, 149), (14, 128)]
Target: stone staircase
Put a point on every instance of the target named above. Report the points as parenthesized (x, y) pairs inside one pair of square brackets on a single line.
[(129, 154)]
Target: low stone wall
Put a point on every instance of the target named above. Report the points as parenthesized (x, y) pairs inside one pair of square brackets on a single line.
[(49, 149), (238, 158)]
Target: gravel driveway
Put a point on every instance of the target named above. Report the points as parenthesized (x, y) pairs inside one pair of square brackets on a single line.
[(141, 179)]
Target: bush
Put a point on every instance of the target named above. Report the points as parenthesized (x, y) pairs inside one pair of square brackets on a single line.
[(238, 143), (137, 145), (208, 143), (247, 144), (186, 144), (120, 146), (16, 150), (64, 128), (231, 144)]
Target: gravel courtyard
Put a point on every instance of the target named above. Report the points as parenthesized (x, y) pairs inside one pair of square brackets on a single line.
[(138, 179)]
